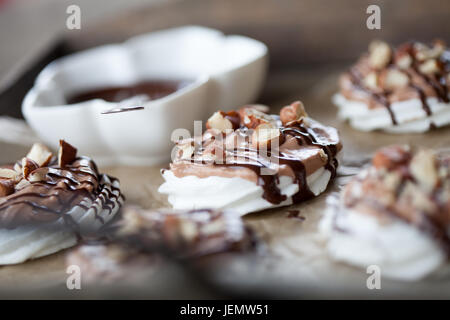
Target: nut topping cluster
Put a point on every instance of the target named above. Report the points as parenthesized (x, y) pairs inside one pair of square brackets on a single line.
[(26, 171), (261, 130), (412, 70), (390, 68), (414, 186)]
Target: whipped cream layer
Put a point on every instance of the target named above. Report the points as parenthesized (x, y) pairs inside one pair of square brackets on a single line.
[(397, 90), (409, 114), (229, 170), (394, 215), (48, 204)]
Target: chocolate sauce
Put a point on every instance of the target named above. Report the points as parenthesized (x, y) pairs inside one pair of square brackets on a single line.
[(269, 183), (439, 84), (381, 98), (434, 225), (153, 89), (73, 183)]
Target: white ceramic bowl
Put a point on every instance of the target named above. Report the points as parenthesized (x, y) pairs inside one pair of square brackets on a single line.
[(226, 72)]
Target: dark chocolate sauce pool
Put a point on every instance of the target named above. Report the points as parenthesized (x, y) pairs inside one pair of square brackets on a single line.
[(153, 89)]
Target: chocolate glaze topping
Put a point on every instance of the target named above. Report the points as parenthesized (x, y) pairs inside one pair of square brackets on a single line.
[(59, 191)]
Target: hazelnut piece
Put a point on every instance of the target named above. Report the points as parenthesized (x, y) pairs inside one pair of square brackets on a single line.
[(219, 122), (264, 135), (423, 169), (40, 154), (294, 111), (404, 61), (379, 54), (391, 157), (371, 80), (392, 79), (429, 67), (38, 175), (252, 118), (28, 166), (6, 173), (187, 150), (66, 154)]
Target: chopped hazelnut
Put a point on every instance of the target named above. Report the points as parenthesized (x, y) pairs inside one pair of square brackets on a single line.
[(219, 122), (28, 166), (292, 112), (404, 61), (424, 52), (66, 154), (264, 135), (423, 169), (371, 80), (252, 118), (379, 54), (391, 157), (187, 150), (40, 154), (393, 79), (429, 67), (6, 173), (323, 155), (412, 193), (38, 175)]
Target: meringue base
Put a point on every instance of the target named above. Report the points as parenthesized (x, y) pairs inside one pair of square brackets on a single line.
[(241, 195), (35, 241), (409, 114), (400, 250)]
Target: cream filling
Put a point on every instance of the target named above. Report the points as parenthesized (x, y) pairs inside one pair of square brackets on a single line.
[(400, 250), (410, 115), (241, 195), (34, 241)]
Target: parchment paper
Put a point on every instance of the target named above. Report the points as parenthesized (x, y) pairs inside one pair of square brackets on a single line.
[(293, 263)]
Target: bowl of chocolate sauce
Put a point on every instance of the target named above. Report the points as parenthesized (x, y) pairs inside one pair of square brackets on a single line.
[(121, 103)]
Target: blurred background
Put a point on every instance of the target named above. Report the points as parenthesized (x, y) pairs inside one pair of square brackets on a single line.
[(300, 34)]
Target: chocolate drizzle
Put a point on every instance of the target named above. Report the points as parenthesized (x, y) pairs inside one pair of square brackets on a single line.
[(382, 98), (305, 136), (433, 220), (58, 193), (438, 82)]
